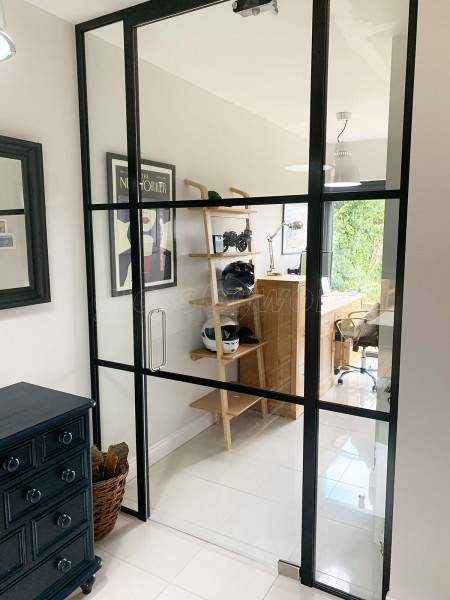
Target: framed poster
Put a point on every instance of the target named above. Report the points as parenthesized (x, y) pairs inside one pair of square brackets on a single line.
[(294, 240), (7, 241), (158, 225)]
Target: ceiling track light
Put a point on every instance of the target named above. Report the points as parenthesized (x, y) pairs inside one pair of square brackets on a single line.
[(346, 171), (7, 45)]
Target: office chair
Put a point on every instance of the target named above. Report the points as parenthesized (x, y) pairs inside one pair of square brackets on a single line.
[(363, 334)]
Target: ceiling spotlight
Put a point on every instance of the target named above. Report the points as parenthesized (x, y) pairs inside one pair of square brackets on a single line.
[(248, 8), (7, 45)]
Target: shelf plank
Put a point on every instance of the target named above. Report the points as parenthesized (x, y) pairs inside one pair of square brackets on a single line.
[(223, 255), (226, 304), (237, 403), (225, 209), (241, 351)]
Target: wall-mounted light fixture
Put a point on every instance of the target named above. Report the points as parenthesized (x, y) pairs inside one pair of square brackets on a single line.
[(346, 172), (7, 45), (293, 225)]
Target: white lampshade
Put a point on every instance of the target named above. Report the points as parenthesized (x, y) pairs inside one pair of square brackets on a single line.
[(7, 45), (346, 172)]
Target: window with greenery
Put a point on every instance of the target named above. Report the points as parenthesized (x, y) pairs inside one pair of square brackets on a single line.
[(358, 228)]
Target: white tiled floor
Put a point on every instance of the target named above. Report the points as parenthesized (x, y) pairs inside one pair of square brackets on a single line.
[(248, 500), (149, 561)]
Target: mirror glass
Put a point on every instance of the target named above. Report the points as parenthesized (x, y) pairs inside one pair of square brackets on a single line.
[(13, 239), (23, 241)]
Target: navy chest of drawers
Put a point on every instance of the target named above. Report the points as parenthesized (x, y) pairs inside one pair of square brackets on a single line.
[(46, 527)]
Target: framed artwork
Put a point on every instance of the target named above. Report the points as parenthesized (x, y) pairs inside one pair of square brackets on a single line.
[(7, 241), (158, 225), (294, 240)]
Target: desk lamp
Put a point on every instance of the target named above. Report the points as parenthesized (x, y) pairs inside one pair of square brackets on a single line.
[(293, 225)]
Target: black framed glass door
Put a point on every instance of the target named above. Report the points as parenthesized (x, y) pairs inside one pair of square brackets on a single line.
[(137, 121)]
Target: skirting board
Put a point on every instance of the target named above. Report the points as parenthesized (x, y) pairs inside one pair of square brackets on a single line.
[(173, 441)]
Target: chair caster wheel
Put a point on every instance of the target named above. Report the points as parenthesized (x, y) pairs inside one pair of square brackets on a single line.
[(374, 388), (336, 371), (340, 382)]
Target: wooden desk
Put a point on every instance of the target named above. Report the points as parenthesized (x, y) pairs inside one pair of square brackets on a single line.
[(282, 311)]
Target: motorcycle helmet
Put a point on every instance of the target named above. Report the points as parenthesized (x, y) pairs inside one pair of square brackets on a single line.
[(230, 337), (238, 279)]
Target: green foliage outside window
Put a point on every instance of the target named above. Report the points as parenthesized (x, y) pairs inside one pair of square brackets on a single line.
[(358, 246)]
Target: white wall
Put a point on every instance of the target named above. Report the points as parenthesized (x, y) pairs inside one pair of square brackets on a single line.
[(421, 547), (47, 344)]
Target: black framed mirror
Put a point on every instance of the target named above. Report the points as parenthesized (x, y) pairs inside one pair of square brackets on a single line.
[(24, 274)]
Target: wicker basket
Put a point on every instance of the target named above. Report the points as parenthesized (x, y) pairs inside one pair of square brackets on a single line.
[(107, 500)]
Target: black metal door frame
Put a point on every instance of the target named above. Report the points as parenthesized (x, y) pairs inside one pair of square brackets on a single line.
[(316, 198)]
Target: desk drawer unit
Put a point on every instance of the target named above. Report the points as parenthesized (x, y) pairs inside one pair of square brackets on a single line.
[(53, 571), (46, 536), (42, 489), (17, 460)]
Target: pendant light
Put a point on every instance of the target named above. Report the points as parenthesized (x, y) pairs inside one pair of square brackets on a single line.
[(346, 172), (7, 45)]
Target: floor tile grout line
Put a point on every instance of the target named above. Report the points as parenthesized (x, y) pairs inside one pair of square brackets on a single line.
[(166, 581), (180, 588)]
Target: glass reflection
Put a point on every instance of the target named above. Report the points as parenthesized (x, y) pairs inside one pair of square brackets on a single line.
[(366, 79), (350, 521)]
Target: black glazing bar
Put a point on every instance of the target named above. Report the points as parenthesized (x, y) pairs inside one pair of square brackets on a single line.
[(361, 195), (334, 591), (312, 316), (146, 12), (224, 385), (132, 95), (228, 202), (89, 235), (129, 511), (12, 211), (356, 411), (399, 291)]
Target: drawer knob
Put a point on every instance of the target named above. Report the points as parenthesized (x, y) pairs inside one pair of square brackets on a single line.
[(33, 496), (64, 565), (65, 438), (64, 521), (68, 475), (11, 464)]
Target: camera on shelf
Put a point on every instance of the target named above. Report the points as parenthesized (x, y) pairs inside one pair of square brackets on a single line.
[(248, 8)]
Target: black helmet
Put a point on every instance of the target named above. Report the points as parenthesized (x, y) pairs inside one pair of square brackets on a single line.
[(238, 279)]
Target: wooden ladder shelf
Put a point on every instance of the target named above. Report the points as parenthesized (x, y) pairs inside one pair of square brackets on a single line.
[(225, 404)]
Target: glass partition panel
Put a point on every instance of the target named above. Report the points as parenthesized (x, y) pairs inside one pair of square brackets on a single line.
[(350, 515), (118, 422), (113, 297), (106, 106), (366, 88), (247, 498), (236, 114), (358, 303), (261, 315)]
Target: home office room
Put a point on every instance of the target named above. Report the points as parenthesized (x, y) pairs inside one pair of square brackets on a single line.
[(228, 298)]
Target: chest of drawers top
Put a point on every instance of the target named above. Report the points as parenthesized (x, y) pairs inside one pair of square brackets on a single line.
[(24, 407)]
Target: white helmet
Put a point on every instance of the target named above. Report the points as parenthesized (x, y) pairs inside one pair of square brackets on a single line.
[(230, 338)]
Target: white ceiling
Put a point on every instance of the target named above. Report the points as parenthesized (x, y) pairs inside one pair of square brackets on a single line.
[(263, 63), (77, 11)]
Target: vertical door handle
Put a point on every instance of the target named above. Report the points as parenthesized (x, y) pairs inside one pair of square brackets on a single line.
[(153, 367)]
